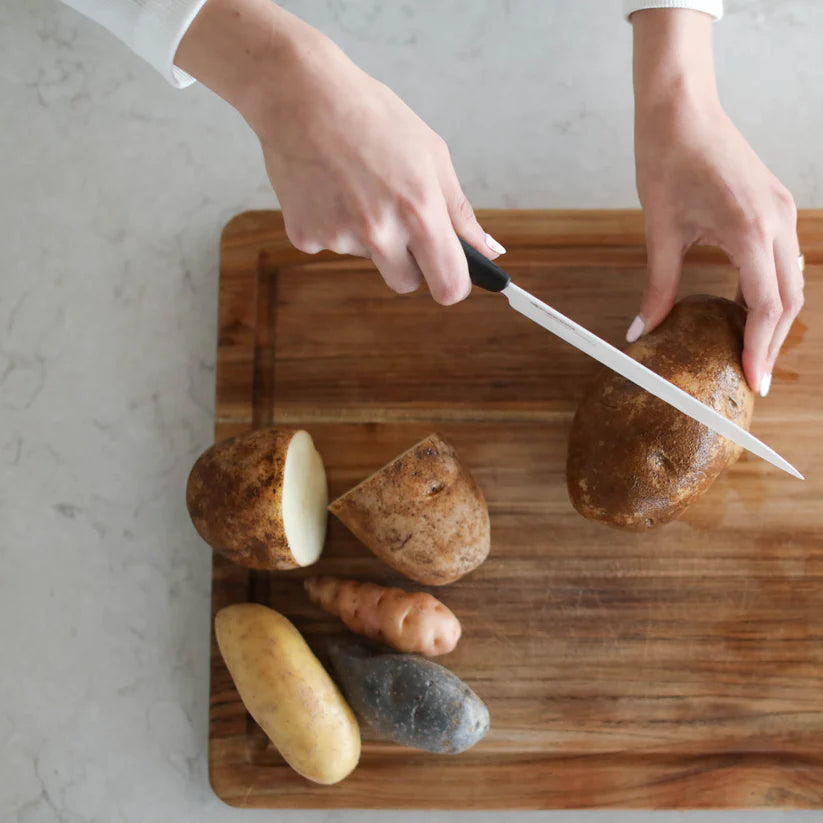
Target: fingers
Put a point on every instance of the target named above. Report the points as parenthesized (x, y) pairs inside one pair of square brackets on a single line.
[(388, 253), (790, 285), (412, 235), (761, 293), (399, 269), (419, 242), (771, 284), (438, 253), (464, 220), (665, 256), (309, 238)]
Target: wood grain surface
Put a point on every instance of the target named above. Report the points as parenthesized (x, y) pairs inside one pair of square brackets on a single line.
[(682, 668)]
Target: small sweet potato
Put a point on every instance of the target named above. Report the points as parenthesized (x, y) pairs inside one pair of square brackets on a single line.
[(406, 621)]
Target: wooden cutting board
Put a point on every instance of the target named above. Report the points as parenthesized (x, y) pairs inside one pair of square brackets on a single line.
[(679, 668)]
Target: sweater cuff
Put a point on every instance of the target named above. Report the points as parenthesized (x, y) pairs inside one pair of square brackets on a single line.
[(160, 27), (711, 7)]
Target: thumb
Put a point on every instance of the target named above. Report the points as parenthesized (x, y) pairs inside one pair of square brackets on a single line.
[(665, 263), (465, 223)]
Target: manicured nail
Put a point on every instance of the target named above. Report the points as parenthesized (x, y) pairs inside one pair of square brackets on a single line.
[(494, 245), (765, 384), (636, 329)]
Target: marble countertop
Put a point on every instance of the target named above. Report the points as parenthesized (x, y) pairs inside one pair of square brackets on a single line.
[(113, 191)]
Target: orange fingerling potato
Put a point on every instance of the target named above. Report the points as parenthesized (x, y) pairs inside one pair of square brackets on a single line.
[(406, 621)]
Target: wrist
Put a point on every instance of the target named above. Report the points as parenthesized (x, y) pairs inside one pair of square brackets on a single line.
[(673, 61), (248, 51)]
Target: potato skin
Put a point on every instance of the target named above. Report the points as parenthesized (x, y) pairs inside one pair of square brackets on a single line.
[(409, 699), (423, 514), (634, 461), (235, 494), (406, 621), (288, 692)]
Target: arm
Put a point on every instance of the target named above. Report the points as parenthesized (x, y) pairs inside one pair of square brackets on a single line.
[(700, 182), (356, 171)]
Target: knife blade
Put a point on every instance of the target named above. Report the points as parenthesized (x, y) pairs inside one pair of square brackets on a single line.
[(489, 276)]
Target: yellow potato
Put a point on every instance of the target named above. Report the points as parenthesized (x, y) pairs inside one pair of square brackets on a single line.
[(287, 691)]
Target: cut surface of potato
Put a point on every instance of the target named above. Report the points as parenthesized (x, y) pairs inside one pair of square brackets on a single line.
[(261, 499), (422, 513), (305, 500)]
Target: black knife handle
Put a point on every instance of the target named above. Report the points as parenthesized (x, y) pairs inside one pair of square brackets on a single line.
[(483, 272)]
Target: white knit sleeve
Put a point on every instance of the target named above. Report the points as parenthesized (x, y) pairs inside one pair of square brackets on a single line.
[(712, 7), (152, 29)]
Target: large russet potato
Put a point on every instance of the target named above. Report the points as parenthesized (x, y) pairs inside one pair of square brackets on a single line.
[(634, 461), (287, 691), (423, 514), (261, 499)]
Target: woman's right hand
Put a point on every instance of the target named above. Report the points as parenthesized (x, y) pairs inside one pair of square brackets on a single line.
[(355, 169)]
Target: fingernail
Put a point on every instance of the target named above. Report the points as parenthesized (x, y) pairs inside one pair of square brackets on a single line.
[(636, 329), (765, 384), (494, 245)]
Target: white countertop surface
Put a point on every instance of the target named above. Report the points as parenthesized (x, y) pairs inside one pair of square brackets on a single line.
[(113, 191)]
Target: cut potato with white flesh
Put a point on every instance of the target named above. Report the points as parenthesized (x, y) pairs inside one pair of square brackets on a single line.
[(287, 691), (423, 514), (305, 499), (261, 499)]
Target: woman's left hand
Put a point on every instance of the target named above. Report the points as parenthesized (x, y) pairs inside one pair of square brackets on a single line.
[(700, 182)]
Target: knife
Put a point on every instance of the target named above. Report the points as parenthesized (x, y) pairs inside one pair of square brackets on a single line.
[(489, 276)]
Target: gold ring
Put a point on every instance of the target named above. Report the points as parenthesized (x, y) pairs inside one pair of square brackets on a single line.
[(801, 262)]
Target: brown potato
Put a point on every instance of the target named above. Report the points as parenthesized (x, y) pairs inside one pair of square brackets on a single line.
[(260, 499), (423, 514), (634, 461)]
